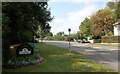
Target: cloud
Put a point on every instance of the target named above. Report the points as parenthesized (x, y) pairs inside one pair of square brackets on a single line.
[(73, 18), (79, 1), (91, 0), (76, 17), (57, 25), (58, 20), (81, 14)]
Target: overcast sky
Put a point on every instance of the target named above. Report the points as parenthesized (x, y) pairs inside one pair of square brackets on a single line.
[(70, 13)]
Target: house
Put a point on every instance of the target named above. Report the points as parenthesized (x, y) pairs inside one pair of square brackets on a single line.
[(117, 28)]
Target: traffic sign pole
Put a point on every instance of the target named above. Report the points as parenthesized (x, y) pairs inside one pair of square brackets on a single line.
[(69, 30)]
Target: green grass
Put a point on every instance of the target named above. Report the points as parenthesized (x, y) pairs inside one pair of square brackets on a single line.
[(60, 60)]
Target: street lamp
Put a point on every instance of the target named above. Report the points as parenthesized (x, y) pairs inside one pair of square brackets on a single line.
[(69, 30)]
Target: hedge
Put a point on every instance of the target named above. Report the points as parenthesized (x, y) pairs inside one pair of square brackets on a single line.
[(111, 39)]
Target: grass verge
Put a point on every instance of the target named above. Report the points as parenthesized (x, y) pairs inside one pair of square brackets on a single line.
[(107, 44), (60, 60)]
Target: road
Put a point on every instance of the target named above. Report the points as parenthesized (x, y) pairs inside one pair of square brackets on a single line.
[(106, 55)]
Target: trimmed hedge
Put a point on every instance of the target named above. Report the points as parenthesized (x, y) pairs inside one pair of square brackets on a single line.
[(111, 39)]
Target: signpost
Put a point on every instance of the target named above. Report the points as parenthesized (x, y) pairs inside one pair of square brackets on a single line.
[(69, 30), (24, 49)]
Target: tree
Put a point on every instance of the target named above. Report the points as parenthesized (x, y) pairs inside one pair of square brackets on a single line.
[(21, 21), (115, 6), (49, 34), (111, 5), (84, 28), (25, 17), (102, 22), (60, 33), (43, 32), (117, 11)]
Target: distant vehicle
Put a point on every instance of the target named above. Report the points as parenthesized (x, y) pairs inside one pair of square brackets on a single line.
[(75, 40), (83, 41), (71, 40), (79, 41)]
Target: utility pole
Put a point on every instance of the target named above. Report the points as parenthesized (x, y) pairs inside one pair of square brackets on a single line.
[(69, 30)]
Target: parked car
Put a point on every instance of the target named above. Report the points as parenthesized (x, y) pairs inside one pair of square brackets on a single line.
[(75, 40), (83, 41)]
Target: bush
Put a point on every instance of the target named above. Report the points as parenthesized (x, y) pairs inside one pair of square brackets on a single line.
[(111, 39), (69, 38), (48, 38), (95, 37), (59, 38), (24, 60), (56, 37)]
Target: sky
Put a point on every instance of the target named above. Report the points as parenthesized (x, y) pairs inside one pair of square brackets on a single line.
[(70, 13)]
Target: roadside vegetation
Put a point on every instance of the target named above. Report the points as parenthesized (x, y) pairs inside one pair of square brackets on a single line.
[(99, 26), (28, 25), (60, 60)]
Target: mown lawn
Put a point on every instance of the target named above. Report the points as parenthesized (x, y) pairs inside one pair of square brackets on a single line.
[(60, 60)]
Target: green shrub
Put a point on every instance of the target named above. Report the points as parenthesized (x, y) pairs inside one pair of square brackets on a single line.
[(96, 37), (68, 38), (58, 38), (111, 39), (48, 38)]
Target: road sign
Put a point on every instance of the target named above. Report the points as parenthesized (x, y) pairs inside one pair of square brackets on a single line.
[(69, 38), (24, 49), (69, 30)]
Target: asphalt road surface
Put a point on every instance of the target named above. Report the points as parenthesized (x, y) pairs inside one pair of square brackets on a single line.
[(106, 55)]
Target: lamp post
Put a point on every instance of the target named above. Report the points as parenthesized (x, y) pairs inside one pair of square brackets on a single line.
[(69, 30)]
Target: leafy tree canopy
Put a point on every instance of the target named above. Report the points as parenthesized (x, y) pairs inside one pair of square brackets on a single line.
[(60, 34), (21, 20), (85, 27), (111, 5), (102, 22), (117, 11), (115, 6)]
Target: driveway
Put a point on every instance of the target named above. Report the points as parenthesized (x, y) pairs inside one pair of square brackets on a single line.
[(106, 55)]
